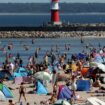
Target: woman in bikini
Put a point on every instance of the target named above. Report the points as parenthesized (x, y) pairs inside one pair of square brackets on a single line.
[(22, 90)]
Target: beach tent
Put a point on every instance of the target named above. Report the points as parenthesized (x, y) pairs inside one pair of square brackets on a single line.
[(40, 89), (95, 101), (43, 75), (64, 93), (2, 97), (83, 85), (61, 102), (21, 72), (6, 91), (6, 73)]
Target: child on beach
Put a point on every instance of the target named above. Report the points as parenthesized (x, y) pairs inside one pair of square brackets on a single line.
[(27, 103), (10, 102)]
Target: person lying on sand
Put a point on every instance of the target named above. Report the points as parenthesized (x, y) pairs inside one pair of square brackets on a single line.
[(52, 100), (78, 99)]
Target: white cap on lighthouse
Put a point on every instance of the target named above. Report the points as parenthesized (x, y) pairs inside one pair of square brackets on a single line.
[(55, 18), (55, 5)]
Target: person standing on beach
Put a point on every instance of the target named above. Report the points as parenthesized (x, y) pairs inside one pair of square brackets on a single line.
[(54, 77), (22, 90)]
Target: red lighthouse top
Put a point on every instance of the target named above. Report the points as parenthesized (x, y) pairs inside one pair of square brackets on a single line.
[(55, 0)]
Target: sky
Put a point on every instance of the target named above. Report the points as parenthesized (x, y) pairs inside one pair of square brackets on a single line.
[(31, 1)]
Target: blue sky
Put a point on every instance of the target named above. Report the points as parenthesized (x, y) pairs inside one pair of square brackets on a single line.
[(85, 1)]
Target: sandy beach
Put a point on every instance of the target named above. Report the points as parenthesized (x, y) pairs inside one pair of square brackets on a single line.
[(34, 98)]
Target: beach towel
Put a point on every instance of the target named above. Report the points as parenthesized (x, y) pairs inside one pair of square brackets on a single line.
[(95, 101)]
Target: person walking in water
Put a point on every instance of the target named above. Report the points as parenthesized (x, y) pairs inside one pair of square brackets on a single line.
[(22, 90), (82, 41)]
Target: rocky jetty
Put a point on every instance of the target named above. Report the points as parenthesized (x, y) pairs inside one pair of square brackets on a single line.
[(47, 34)]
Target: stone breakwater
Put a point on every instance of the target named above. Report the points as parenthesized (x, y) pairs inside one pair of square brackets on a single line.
[(43, 34)]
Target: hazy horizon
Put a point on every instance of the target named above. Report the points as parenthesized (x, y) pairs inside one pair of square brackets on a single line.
[(45, 1)]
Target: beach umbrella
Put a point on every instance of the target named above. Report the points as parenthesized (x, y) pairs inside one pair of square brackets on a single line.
[(42, 75), (61, 102), (99, 65)]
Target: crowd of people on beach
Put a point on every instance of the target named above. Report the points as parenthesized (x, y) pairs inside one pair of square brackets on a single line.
[(67, 66), (49, 34)]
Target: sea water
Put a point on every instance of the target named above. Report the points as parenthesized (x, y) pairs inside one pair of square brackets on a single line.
[(29, 19), (45, 44)]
